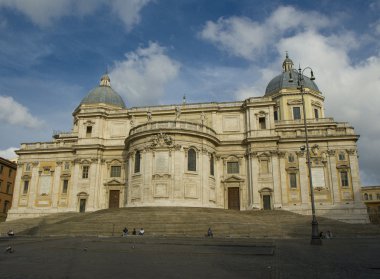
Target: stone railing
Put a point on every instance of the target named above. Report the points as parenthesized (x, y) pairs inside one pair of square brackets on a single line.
[(45, 145), (176, 125), (60, 134), (308, 121)]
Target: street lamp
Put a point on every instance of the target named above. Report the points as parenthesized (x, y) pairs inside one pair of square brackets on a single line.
[(315, 238)]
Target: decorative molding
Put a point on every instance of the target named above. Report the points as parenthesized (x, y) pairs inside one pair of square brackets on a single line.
[(295, 102), (331, 152), (351, 151)]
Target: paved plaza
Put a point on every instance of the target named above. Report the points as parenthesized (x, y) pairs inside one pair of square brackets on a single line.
[(153, 257)]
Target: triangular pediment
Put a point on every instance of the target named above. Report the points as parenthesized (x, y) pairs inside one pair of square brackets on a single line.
[(114, 182), (233, 178)]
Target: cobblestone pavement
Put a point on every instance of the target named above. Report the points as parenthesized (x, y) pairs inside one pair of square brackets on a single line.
[(148, 257)]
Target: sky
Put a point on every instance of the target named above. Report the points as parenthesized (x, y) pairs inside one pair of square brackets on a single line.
[(52, 53)]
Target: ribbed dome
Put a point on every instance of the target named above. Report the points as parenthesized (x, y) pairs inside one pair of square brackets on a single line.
[(104, 94), (282, 81)]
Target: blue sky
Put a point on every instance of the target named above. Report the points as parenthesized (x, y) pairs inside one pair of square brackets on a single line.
[(53, 52)]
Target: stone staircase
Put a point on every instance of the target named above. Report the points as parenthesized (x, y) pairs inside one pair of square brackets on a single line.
[(182, 221)]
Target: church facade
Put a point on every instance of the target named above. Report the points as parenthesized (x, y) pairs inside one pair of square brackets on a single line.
[(242, 155)]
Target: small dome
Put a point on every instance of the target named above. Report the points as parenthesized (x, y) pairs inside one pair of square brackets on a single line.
[(282, 81), (104, 94)]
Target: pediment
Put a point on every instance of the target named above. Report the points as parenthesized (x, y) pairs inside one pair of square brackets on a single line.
[(233, 178), (114, 182)]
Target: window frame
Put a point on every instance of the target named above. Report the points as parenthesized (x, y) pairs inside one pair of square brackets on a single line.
[(65, 186), (299, 112), (115, 171), (230, 169), (137, 163), (85, 171), (292, 180), (25, 188), (344, 179), (212, 165), (191, 160)]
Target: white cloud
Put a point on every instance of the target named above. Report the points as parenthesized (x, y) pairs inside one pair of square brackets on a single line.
[(248, 39), (142, 77), (44, 12), (350, 86), (14, 113), (9, 153)]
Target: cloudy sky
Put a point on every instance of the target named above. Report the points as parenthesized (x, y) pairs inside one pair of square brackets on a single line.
[(53, 52)]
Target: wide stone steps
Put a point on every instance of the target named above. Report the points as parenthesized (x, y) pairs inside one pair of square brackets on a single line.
[(178, 221)]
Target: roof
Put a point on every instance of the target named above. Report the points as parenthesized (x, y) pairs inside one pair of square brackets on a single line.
[(104, 94)]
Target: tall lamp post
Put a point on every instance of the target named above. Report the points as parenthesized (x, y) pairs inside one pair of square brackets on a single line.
[(315, 238)]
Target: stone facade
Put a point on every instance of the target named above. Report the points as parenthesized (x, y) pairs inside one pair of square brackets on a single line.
[(371, 198), (7, 182), (244, 155)]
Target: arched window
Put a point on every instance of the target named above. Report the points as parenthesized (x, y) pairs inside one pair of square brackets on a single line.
[(366, 196), (137, 161), (191, 160), (212, 164)]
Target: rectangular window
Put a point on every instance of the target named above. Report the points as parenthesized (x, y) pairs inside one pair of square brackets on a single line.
[(296, 113), (88, 131), (232, 167), (211, 165), (26, 187), (1, 169), (65, 186), (9, 188), (275, 114), (1, 182), (27, 167), (293, 180), (10, 173), (115, 171), (316, 113), (370, 197), (262, 123), (378, 196), (85, 171), (344, 178), (342, 156), (137, 162)]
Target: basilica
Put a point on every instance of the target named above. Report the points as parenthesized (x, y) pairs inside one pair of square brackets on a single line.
[(240, 155)]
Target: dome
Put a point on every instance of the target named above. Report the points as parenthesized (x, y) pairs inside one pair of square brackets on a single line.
[(282, 81), (103, 94)]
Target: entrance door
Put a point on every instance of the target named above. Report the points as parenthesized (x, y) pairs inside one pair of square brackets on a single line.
[(233, 198), (114, 199), (266, 202), (82, 205)]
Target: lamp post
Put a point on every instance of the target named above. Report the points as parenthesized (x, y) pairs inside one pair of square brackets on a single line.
[(315, 239)]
